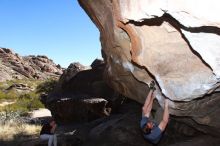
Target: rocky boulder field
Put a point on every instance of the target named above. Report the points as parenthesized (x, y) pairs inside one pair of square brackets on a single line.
[(14, 66)]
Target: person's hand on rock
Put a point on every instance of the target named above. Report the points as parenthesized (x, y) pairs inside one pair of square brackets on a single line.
[(152, 85)]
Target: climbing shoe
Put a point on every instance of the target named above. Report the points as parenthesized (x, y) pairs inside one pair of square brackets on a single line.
[(152, 85)]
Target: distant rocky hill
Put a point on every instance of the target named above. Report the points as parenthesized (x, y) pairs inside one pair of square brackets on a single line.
[(14, 66)]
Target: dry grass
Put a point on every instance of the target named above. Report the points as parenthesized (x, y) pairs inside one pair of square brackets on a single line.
[(10, 131)]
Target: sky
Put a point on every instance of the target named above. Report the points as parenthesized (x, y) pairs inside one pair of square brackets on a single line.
[(59, 29)]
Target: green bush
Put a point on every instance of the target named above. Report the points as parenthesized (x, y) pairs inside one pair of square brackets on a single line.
[(25, 102), (46, 86), (14, 94), (8, 95), (35, 104), (2, 95)]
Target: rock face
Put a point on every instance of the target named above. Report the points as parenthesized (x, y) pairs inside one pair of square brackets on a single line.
[(79, 109), (82, 95), (171, 42), (13, 66), (122, 129), (20, 86), (70, 72)]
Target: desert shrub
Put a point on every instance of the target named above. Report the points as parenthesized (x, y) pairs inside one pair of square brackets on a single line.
[(8, 95), (8, 116), (46, 86), (2, 95), (25, 96), (30, 82), (12, 94), (13, 117), (24, 103), (34, 103), (12, 124)]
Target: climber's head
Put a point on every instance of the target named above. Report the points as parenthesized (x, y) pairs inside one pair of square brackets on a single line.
[(149, 126)]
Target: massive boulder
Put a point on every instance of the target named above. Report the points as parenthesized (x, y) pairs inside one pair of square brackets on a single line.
[(175, 43), (82, 95)]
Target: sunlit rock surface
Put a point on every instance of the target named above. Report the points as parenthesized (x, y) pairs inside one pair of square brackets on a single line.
[(13, 66), (175, 43)]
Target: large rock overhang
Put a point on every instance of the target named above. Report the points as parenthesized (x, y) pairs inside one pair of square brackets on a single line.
[(170, 42)]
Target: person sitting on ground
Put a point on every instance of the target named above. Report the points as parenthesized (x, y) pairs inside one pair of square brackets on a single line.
[(151, 130), (47, 132)]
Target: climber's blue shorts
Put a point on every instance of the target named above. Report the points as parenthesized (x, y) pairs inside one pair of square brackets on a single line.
[(156, 133)]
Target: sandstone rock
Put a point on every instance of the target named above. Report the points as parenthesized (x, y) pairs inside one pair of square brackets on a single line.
[(19, 86), (83, 81), (122, 128), (13, 66), (80, 80), (171, 42), (70, 72), (78, 109), (6, 73), (84, 89), (97, 62), (119, 129)]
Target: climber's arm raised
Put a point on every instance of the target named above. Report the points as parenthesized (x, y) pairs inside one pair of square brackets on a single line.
[(165, 119), (146, 110)]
